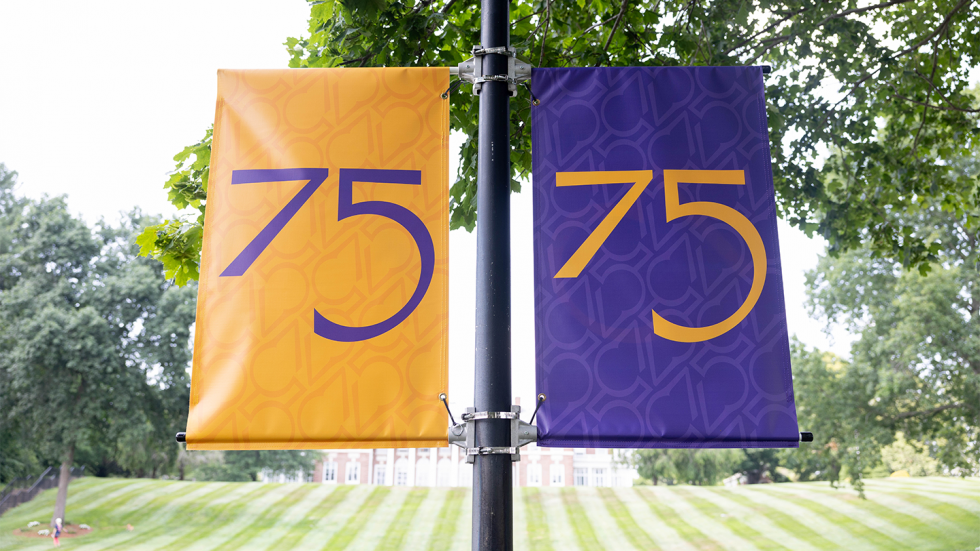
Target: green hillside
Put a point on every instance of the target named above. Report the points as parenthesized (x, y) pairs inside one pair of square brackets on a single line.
[(911, 513)]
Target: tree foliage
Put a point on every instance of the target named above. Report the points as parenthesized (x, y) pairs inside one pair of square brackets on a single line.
[(915, 368), (245, 466), (94, 340), (867, 103), (687, 466)]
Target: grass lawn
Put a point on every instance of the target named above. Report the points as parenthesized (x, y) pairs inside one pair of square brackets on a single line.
[(910, 513)]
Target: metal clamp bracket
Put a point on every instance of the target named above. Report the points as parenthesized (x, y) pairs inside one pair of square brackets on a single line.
[(464, 434), (468, 416), (488, 450), (471, 70)]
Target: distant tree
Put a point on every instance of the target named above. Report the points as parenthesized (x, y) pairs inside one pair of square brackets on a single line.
[(243, 466), (85, 361), (687, 466), (275, 462), (916, 365), (902, 455)]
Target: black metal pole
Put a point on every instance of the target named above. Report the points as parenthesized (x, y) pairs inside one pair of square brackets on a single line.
[(493, 512)]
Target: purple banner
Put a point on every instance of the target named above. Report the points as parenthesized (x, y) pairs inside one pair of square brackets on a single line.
[(660, 320)]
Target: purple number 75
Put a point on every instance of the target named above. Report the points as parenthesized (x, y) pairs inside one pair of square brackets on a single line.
[(256, 246), (346, 208)]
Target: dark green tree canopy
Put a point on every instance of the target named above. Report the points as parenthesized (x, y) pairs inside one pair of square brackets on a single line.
[(866, 105), (94, 338)]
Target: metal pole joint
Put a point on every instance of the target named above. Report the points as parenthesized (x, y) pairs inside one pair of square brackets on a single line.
[(472, 70), (464, 434)]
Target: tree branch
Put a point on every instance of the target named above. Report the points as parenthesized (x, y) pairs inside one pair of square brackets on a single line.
[(448, 5), (925, 412), (619, 18), (942, 96), (544, 35), (765, 30), (783, 38), (860, 81), (931, 106), (942, 27), (925, 112)]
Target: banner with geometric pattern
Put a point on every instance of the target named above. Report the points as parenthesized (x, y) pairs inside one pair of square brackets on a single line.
[(323, 306), (660, 319)]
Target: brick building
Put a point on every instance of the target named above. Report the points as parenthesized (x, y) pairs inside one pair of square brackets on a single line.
[(447, 467)]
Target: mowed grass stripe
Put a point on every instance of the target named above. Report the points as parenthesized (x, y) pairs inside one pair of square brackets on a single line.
[(198, 515), (208, 514), (902, 527), (579, 520), (139, 510), (335, 496), (332, 523), (87, 492), (559, 524), (448, 520), (270, 517), (112, 501), (710, 525), (464, 524), (535, 522), (395, 535), (926, 532), (377, 524), (603, 523), (779, 518), (157, 525), (964, 499), (746, 522), (858, 529), (345, 535), (238, 514), (519, 517), (668, 516), (969, 486), (40, 508), (618, 511), (842, 538), (737, 527), (959, 517), (664, 536), (950, 524), (290, 518), (423, 525)]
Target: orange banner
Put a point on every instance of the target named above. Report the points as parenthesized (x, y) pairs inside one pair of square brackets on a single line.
[(322, 314)]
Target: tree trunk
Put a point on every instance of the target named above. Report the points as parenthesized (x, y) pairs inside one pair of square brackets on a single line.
[(63, 478), (181, 462)]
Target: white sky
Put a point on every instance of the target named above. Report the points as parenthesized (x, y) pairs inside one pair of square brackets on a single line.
[(97, 97)]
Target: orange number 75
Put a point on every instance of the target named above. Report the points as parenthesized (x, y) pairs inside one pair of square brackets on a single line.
[(641, 179)]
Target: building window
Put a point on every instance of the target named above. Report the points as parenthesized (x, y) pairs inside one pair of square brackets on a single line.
[(599, 477), (581, 477), (445, 473), (401, 472), (534, 474), (353, 472), (422, 472), (379, 474), (330, 472), (558, 475)]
